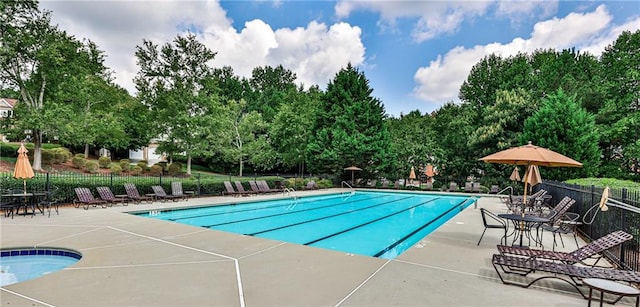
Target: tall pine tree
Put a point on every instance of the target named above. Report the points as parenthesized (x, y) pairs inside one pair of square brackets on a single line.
[(350, 128)]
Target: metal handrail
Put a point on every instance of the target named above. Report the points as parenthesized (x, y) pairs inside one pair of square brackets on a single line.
[(345, 183), (507, 188)]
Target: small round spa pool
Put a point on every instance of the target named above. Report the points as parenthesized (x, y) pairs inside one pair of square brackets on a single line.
[(24, 263)]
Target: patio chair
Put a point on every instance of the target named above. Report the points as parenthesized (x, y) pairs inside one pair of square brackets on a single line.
[(492, 221), (468, 187), (575, 273), (229, 189), (85, 198), (50, 201), (133, 194), (494, 189), (176, 190), (162, 195), (262, 184), (241, 189), (106, 195), (592, 250), (7, 204), (255, 188)]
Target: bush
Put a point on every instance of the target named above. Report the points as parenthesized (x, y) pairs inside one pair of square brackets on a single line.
[(125, 165), (115, 169), (8, 150), (48, 157), (61, 155), (104, 162), (136, 170), (92, 167), (174, 168), (79, 155), (79, 161), (156, 170), (142, 164)]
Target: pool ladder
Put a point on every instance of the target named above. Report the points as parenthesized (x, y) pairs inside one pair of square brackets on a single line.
[(344, 183), (289, 192)]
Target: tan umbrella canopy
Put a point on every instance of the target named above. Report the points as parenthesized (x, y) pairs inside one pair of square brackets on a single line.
[(515, 175), (352, 169), (532, 175), (23, 168), (531, 155)]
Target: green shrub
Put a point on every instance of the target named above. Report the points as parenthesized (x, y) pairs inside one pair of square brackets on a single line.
[(136, 170), (48, 157), (9, 150), (92, 167), (79, 155), (79, 161), (143, 164), (115, 169), (104, 162), (124, 165), (174, 168), (61, 155), (156, 170)]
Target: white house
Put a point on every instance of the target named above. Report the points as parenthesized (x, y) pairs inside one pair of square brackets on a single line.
[(6, 111)]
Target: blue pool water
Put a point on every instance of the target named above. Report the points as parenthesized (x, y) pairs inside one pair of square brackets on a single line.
[(378, 224), (22, 264)]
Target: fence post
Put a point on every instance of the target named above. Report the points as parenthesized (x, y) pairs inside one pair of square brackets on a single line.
[(160, 178), (111, 181), (47, 187), (199, 185)]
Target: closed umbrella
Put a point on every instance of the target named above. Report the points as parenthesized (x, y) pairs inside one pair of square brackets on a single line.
[(412, 174), (532, 175), (531, 155), (515, 175), (429, 172), (23, 168)]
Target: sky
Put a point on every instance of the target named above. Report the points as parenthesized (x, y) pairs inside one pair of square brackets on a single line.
[(415, 54)]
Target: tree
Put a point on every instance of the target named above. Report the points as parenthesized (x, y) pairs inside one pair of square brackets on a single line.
[(171, 83), (292, 127), (350, 128), (563, 126), (453, 126), (36, 58), (270, 85), (245, 138), (619, 117)]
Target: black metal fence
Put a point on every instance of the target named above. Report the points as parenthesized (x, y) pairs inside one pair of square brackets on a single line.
[(623, 214)]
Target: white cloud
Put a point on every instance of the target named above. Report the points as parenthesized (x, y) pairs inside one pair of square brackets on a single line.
[(315, 53), (441, 79)]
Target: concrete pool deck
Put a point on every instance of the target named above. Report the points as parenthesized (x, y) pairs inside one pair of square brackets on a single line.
[(130, 260)]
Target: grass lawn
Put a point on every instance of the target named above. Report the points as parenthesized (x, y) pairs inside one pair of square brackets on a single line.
[(610, 182)]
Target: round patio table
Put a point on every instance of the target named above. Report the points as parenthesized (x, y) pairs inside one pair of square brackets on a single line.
[(608, 286), (524, 224)]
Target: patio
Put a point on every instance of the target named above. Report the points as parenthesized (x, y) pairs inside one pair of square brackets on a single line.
[(136, 261)]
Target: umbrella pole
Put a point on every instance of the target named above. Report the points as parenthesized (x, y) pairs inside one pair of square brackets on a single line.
[(24, 182)]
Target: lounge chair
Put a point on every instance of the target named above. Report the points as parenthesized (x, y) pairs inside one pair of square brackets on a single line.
[(255, 188), (592, 250), (241, 190), (468, 187), (176, 190), (494, 189), (162, 195), (133, 194), (453, 187), (575, 273), (106, 195), (311, 185), (262, 184), (475, 188), (85, 198), (230, 190)]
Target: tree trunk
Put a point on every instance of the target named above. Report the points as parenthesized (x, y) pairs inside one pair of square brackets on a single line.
[(86, 151), (188, 164), (37, 150), (241, 164)]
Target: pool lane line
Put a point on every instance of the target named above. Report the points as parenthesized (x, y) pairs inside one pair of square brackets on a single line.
[(386, 249), (235, 260), (328, 216), (264, 208), (369, 222), (287, 213)]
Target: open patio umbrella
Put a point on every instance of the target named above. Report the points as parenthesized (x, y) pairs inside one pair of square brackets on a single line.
[(352, 169), (23, 168), (515, 175), (531, 155)]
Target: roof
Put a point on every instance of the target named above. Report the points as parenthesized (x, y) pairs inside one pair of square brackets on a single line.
[(8, 102)]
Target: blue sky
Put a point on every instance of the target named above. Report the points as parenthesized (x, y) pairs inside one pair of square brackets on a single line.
[(416, 54)]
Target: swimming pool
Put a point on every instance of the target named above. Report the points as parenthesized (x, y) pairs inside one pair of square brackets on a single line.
[(21, 264), (378, 224)]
